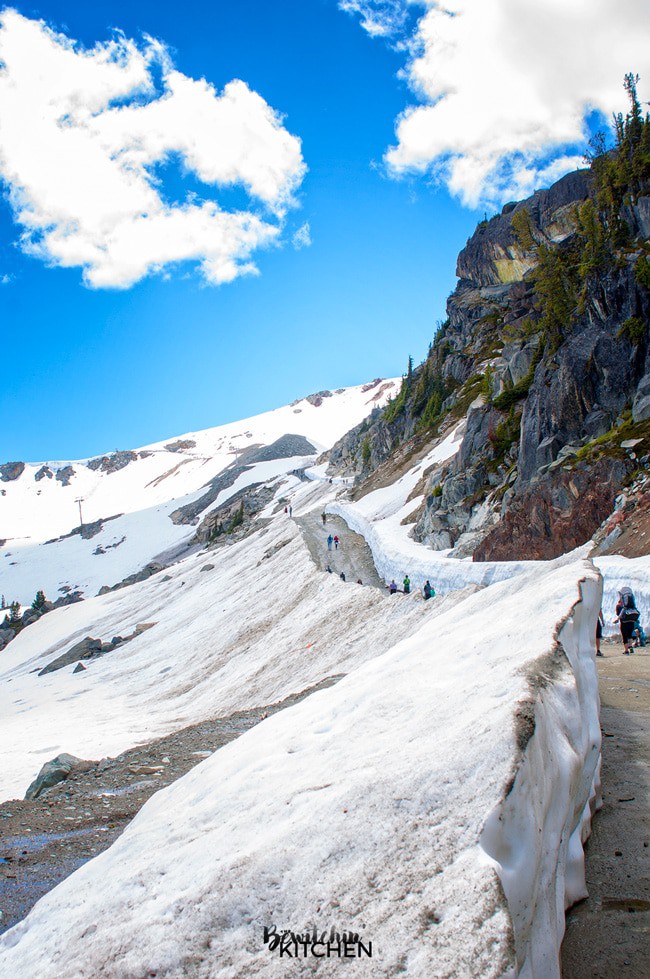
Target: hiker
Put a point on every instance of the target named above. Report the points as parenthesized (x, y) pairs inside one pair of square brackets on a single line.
[(639, 636), (323, 517), (290, 510), (392, 588), (407, 584), (328, 569), (359, 581), (336, 542), (428, 591), (600, 622), (628, 615), (342, 576), (330, 541)]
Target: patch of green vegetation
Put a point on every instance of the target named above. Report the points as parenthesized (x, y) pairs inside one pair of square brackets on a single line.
[(437, 490), (504, 434), (609, 444), (522, 226), (642, 271), (509, 397), (633, 329), (366, 451)]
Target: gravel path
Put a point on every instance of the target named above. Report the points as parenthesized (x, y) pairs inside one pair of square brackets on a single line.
[(353, 556), (608, 935), (45, 840)]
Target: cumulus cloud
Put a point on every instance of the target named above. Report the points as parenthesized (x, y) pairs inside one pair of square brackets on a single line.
[(504, 88), (302, 237), (82, 133)]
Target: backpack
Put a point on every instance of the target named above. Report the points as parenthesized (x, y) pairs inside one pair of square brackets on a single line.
[(629, 614)]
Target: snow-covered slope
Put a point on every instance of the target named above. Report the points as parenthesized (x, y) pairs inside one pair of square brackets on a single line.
[(363, 808), (456, 761), (143, 488)]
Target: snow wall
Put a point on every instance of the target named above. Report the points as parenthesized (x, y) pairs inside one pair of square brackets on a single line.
[(536, 835)]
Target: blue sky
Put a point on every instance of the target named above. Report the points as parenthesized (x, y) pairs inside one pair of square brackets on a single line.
[(138, 348)]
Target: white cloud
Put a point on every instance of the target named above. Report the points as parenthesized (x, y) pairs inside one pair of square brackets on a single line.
[(380, 18), (81, 134), (504, 87), (302, 237), (5, 279)]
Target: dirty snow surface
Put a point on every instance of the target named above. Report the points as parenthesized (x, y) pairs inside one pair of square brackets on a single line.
[(433, 801)]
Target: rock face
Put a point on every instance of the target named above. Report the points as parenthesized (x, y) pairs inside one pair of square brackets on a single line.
[(546, 353), (52, 773), (85, 649), (64, 475), (11, 470), (180, 445), (43, 472), (114, 462), (283, 448)]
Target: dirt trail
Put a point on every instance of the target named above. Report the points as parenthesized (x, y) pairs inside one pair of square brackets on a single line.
[(353, 556), (43, 841), (608, 935)]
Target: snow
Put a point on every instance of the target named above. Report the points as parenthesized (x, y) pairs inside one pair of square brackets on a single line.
[(363, 808), (146, 492), (456, 762)]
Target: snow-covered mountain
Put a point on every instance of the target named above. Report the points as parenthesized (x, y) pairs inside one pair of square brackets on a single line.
[(434, 800), (128, 498)]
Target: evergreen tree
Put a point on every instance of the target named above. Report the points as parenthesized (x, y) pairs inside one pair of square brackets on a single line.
[(14, 613), (39, 601)]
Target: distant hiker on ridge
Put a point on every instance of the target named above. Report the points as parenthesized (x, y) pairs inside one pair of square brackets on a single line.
[(342, 576), (323, 517)]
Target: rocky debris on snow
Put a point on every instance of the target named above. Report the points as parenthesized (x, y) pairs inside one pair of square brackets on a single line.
[(207, 567), (79, 668), (114, 462), (283, 448), (90, 648), (317, 399), (180, 445), (64, 475), (10, 471), (52, 772), (6, 635), (235, 519), (87, 530), (43, 472), (150, 569), (82, 815)]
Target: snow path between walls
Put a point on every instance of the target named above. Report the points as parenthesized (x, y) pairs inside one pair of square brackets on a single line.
[(362, 808)]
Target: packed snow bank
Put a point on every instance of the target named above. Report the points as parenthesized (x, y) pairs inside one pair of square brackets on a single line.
[(360, 809), (238, 627), (536, 834)]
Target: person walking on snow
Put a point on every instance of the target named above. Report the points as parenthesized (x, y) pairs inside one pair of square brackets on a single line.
[(407, 584), (600, 622), (392, 588), (330, 541), (427, 591), (323, 517), (627, 615), (336, 543)]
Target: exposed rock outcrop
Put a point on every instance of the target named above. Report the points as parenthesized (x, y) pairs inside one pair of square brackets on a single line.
[(11, 471)]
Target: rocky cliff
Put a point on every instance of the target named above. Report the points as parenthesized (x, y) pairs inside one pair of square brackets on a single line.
[(545, 352)]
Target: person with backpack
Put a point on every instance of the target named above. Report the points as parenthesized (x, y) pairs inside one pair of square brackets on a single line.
[(336, 542), (428, 591), (639, 636), (330, 541), (407, 584), (628, 615)]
